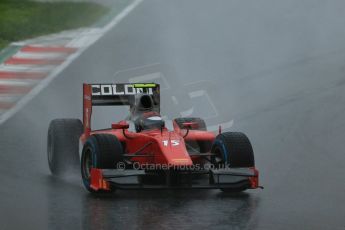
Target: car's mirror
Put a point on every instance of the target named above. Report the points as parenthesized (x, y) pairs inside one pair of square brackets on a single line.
[(120, 125), (190, 125)]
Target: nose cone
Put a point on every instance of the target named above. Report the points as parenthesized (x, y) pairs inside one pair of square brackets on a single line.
[(174, 150)]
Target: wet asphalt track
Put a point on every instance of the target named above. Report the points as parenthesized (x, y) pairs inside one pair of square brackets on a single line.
[(276, 69)]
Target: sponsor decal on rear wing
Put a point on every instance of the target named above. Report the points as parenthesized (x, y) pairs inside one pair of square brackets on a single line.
[(122, 94), (116, 95)]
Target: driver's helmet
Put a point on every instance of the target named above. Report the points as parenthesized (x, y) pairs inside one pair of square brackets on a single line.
[(148, 121)]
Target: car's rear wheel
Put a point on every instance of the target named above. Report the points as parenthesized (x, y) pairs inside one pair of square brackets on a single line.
[(102, 151), (63, 145), (234, 150)]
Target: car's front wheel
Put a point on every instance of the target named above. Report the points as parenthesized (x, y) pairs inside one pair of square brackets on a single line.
[(101, 151), (234, 150)]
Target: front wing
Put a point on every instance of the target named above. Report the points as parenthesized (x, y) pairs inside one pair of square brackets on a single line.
[(236, 179)]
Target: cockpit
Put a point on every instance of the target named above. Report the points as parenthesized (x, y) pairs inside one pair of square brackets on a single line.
[(145, 114)]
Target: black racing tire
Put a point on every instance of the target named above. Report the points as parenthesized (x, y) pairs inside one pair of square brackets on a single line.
[(233, 149), (63, 145), (102, 151), (201, 123)]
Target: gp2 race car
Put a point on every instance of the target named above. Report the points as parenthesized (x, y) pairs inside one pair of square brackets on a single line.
[(151, 156)]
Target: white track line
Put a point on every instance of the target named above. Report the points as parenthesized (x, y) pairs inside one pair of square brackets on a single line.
[(84, 41), (16, 82), (86, 38), (8, 98), (121, 16), (42, 55), (44, 83), (26, 68), (61, 38)]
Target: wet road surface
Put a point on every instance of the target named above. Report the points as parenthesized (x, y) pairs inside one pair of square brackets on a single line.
[(273, 70)]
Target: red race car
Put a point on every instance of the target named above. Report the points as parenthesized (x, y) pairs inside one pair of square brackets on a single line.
[(151, 156)]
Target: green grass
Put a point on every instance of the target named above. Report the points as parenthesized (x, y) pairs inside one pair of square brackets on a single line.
[(24, 19)]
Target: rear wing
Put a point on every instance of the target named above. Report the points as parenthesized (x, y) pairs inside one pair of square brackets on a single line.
[(114, 95)]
